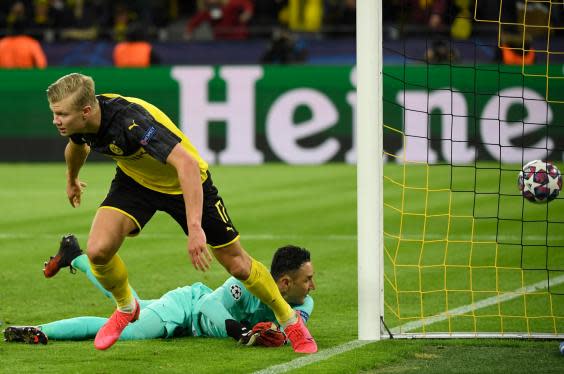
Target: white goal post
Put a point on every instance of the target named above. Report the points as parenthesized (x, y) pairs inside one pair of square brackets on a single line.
[(369, 168)]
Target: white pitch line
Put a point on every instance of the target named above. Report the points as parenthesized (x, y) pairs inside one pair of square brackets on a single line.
[(478, 305), (327, 353), (320, 356)]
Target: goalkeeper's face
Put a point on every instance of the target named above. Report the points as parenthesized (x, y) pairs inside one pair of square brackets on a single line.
[(299, 284)]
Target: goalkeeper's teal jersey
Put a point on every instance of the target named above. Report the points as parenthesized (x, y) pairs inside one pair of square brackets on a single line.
[(196, 310), (233, 301), (177, 309)]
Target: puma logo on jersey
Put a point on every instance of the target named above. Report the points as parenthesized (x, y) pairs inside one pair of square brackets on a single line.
[(133, 124), (229, 228)]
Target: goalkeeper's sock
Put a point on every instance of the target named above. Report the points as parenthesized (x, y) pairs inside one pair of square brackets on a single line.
[(261, 284), (113, 277), (81, 263)]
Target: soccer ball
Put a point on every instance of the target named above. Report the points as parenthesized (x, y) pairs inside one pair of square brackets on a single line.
[(540, 181)]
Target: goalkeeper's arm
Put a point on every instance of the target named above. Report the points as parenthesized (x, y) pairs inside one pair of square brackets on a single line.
[(237, 331)]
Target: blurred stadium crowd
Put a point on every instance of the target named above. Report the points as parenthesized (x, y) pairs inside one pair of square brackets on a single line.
[(286, 31), (53, 20)]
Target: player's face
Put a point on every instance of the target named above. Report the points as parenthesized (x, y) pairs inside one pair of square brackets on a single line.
[(301, 284), (67, 118)]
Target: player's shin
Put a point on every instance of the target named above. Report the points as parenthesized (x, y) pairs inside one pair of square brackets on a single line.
[(261, 284), (113, 277), (81, 263)]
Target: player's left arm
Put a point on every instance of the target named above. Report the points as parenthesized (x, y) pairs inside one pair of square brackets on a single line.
[(162, 144), (189, 177)]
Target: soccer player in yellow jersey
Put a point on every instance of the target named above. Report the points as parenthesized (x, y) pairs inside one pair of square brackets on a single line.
[(157, 169)]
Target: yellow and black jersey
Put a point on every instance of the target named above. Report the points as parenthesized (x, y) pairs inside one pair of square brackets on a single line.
[(140, 137)]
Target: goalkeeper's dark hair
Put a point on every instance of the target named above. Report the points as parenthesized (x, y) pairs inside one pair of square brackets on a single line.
[(288, 259)]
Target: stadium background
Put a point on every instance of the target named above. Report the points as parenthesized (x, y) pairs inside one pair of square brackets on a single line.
[(324, 76), (80, 36)]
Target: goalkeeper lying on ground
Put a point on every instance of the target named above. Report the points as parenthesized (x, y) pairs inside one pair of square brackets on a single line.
[(196, 310)]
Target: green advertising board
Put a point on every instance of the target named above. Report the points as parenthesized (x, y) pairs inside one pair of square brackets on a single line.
[(306, 114)]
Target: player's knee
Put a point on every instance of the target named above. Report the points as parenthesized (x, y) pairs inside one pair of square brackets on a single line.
[(98, 253), (97, 258), (235, 260), (239, 268)]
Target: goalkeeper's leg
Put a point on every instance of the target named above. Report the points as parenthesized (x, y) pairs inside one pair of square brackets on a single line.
[(79, 328), (149, 326), (70, 255), (81, 263)]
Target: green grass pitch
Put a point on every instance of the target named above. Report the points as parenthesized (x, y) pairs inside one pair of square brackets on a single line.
[(271, 205)]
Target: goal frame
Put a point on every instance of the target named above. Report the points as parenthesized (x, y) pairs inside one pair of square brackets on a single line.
[(369, 169), (370, 215)]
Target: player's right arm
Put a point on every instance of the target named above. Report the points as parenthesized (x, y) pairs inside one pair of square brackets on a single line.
[(75, 156)]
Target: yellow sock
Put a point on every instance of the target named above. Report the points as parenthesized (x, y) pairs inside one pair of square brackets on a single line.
[(113, 276), (261, 284)]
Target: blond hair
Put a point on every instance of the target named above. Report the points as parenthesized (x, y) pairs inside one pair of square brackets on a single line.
[(80, 86)]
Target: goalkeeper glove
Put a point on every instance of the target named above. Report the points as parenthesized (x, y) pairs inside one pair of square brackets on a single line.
[(265, 334), (268, 335)]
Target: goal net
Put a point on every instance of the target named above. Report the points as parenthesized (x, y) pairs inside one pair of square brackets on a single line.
[(465, 106)]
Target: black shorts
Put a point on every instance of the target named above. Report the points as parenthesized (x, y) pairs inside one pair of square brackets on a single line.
[(140, 203)]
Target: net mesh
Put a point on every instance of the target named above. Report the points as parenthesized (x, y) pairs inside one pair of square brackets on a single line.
[(465, 254)]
